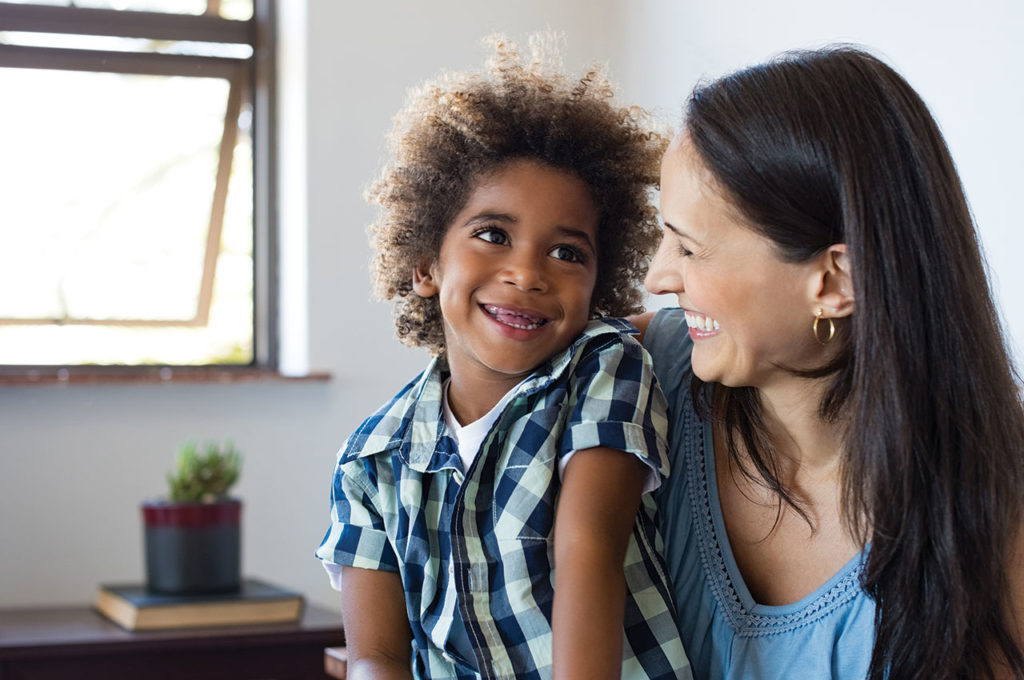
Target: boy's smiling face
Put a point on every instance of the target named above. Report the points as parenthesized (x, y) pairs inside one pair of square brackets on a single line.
[(514, 278)]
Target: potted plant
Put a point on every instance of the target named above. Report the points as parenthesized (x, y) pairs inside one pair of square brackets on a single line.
[(193, 537)]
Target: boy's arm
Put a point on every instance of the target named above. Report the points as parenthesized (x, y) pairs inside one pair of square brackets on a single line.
[(377, 633), (597, 506)]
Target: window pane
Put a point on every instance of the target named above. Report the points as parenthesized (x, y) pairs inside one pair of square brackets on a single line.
[(228, 9), (108, 230), (116, 44), (169, 6)]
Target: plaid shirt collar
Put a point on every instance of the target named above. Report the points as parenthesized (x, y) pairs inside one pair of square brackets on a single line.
[(422, 441)]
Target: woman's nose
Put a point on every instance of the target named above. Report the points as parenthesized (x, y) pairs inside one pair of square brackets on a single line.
[(664, 276)]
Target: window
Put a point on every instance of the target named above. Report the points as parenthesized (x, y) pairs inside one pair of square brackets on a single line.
[(136, 171)]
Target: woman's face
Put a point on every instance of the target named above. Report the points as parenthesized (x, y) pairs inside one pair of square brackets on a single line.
[(748, 311)]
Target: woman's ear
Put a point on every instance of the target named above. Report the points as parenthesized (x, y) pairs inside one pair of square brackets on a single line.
[(423, 283), (832, 289)]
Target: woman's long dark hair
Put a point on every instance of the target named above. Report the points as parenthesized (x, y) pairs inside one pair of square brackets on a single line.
[(833, 146)]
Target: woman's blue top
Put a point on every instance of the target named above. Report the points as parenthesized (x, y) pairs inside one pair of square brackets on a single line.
[(727, 635)]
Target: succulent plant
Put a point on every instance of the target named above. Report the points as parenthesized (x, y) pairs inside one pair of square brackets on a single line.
[(204, 476)]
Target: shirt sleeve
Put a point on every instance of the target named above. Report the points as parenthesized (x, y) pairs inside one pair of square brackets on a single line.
[(357, 536), (618, 404)]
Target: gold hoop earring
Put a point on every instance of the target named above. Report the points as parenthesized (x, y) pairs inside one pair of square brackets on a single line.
[(831, 328)]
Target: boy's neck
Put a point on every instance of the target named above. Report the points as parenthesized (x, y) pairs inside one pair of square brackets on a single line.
[(470, 400)]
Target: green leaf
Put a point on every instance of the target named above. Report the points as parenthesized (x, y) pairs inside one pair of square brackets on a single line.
[(207, 475)]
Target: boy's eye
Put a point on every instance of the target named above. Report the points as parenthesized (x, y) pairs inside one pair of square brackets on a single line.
[(568, 253), (492, 235)]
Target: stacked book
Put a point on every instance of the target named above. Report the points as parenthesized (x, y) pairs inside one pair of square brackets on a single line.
[(135, 608)]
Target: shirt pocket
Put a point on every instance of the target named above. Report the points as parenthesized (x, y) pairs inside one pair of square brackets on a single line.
[(526, 481)]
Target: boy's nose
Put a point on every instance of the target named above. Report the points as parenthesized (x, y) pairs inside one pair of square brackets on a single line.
[(524, 272), (664, 276)]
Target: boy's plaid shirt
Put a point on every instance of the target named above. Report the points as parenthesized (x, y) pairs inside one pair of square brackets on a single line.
[(481, 541)]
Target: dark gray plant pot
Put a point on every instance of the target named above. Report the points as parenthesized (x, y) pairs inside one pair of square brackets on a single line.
[(193, 547)]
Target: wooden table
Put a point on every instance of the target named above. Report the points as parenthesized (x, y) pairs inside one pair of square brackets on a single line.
[(77, 642)]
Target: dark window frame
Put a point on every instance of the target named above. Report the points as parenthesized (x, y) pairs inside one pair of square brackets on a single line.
[(259, 77)]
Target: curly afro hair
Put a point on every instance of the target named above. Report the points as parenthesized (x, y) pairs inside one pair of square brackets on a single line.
[(460, 127)]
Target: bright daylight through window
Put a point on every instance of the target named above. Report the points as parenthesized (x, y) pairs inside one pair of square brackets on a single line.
[(129, 222)]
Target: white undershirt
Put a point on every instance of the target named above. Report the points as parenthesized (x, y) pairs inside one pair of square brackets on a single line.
[(469, 437)]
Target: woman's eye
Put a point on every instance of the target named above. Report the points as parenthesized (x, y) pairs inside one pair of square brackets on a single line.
[(681, 249), (492, 235), (568, 253)]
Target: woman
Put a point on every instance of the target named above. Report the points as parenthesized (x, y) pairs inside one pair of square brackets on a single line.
[(847, 434)]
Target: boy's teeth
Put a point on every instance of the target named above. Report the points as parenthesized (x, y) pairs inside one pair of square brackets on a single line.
[(514, 319), (701, 322)]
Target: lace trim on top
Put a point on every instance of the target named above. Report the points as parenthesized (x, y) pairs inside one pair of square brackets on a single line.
[(743, 621)]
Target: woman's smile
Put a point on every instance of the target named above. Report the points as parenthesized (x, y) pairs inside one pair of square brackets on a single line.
[(701, 326)]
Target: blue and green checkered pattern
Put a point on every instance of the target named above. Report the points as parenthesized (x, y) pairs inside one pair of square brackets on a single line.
[(476, 545)]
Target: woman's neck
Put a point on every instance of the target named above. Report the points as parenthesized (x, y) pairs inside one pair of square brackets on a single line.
[(805, 442), (806, 457)]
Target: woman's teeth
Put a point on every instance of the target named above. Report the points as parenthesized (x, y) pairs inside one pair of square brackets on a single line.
[(701, 322)]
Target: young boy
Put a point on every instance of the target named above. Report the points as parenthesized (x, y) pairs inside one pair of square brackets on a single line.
[(515, 217)]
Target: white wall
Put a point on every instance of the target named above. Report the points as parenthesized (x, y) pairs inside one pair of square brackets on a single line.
[(75, 461), (965, 59)]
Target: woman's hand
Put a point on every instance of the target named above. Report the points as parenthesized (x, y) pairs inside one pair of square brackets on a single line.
[(641, 321)]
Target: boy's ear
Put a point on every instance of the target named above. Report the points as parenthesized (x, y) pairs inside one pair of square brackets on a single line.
[(423, 283), (832, 284)]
